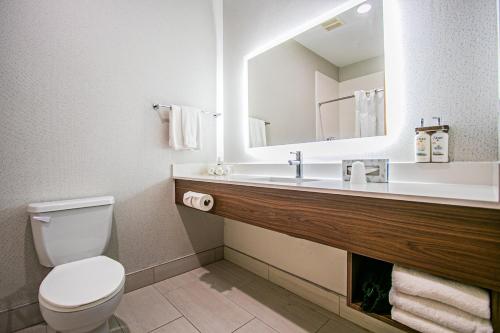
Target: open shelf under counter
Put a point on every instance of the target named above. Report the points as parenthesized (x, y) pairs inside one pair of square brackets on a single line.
[(357, 268)]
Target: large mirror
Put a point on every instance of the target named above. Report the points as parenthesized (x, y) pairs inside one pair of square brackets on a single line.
[(326, 83)]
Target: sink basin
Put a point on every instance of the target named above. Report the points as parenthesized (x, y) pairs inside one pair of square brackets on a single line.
[(288, 180)]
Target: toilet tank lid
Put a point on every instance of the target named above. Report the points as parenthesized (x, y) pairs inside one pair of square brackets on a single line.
[(51, 206)]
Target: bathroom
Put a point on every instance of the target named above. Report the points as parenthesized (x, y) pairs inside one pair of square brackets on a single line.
[(275, 242)]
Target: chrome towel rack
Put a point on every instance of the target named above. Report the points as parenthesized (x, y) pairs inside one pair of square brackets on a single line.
[(158, 106), (346, 97)]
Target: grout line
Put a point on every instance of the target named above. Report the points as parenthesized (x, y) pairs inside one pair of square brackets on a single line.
[(178, 310), (157, 328), (244, 323), (154, 329), (326, 322)]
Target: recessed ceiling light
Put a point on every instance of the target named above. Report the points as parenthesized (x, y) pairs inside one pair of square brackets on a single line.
[(364, 8)]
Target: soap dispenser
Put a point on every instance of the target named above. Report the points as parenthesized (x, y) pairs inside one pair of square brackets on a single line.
[(439, 144), (422, 144)]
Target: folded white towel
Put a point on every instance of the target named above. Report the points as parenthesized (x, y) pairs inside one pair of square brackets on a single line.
[(184, 128), (257, 132), (439, 313), (417, 323), (467, 298)]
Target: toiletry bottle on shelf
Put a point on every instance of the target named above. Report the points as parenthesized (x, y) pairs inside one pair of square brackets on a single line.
[(439, 144), (422, 145)]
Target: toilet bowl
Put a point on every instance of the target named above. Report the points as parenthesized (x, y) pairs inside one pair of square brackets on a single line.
[(81, 296), (84, 289)]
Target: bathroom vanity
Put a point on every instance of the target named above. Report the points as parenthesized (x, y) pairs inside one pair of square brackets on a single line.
[(456, 238)]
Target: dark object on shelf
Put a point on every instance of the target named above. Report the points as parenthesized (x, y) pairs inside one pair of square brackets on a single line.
[(375, 288)]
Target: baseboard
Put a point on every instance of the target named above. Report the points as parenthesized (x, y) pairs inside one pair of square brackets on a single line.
[(160, 272), (20, 317)]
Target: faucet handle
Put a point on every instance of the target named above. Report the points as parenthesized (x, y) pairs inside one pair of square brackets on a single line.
[(298, 154)]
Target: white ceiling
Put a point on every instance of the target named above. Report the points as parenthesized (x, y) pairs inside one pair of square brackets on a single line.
[(360, 38)]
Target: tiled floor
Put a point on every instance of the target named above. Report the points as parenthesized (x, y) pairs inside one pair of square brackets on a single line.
[(221, 297)]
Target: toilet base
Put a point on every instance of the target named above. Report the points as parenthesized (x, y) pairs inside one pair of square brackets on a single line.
[(104, 328)]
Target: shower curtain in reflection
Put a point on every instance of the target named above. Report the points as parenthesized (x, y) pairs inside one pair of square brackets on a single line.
[(369, 113)]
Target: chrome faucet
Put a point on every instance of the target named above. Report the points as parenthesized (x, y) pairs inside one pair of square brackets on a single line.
[(299, 173)]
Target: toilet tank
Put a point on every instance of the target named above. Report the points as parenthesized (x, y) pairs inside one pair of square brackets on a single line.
[(69, 230)]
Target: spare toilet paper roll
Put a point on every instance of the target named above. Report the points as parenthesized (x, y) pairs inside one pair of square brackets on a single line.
[(200, 201)]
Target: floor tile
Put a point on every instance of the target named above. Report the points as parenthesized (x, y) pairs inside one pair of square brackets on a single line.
[(180, 325), (41, 328), (176, 282), (231, 273), (340, 325), (255, 326), (207, 309), (145, 309), (277, 307), (221, 276)]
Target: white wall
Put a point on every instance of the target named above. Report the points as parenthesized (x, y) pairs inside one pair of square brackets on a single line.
[(446, 65), (77, 80), (327, 117), (441, 59)]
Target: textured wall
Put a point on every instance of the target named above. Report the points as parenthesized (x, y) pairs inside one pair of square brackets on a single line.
[(449, 51), (77, 79)]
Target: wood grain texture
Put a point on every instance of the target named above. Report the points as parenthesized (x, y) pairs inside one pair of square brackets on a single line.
[(461, 243)]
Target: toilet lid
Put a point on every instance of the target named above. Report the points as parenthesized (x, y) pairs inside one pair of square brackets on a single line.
[(82, 282)]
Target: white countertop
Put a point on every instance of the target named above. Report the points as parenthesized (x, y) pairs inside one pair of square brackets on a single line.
[(486, 196)]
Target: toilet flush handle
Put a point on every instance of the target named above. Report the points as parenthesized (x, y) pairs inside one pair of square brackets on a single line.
[(41, 218)]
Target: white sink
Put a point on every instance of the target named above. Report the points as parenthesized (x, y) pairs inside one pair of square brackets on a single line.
[(288, 180)]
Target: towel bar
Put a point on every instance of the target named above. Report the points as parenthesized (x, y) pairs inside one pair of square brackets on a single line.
[(158, 106)]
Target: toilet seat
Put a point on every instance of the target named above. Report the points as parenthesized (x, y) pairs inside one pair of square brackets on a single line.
[(81, 284)]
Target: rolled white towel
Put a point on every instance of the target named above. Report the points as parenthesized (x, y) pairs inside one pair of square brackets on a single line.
[(417, 323), (467, 298), (440, 313)]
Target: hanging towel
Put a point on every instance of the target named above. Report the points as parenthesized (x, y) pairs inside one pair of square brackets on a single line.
[(184, 128), (176, 139), (439, 313), (191, 127), (473, 300), (417, 323), (369, 113), (257, 132)]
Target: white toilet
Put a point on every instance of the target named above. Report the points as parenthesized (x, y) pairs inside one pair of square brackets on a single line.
[(84, 289)]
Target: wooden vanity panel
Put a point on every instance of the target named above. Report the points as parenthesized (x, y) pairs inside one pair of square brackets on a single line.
[(461, 243)]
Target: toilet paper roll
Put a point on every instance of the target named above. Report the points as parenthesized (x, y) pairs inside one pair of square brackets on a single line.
[(201, 201), (187, 198)]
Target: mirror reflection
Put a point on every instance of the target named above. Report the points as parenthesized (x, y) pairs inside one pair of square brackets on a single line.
[(325, 84)]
